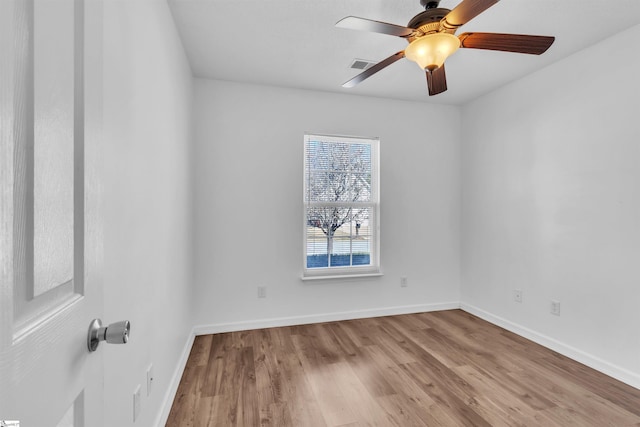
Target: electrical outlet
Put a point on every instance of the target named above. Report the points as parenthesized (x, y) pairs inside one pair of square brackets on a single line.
[(517, 295), (262, 291), (555, 308), (404, 282), (150, 379), (136, 403)]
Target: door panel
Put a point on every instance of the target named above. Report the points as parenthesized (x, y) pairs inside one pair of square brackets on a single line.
[(50, 131), (54, 101), (51, 246)]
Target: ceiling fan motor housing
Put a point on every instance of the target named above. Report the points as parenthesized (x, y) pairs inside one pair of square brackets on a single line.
[(428, 22)]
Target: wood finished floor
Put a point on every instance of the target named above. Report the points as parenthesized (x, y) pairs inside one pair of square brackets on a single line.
[(445, 368)]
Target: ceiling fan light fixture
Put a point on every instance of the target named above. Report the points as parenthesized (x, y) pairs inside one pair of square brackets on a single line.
[(431, 38), (430, 51)]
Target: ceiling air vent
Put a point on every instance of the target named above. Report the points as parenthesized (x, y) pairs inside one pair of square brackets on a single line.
[(361, 64)]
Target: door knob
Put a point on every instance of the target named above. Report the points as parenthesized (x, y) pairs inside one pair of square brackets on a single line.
[(115, 333)]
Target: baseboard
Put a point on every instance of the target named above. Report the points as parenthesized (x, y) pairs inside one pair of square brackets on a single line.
[(319, 318), (170, 395), (587, 359)]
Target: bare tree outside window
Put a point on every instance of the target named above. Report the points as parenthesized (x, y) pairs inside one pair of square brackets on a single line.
[(339, 202)]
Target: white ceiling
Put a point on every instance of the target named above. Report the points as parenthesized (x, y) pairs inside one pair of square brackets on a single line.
[(294, 43)]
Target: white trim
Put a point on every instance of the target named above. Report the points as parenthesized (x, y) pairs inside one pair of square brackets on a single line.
[(319, 318), (341, 276), (583, 357), (341, 138), (169, 396)]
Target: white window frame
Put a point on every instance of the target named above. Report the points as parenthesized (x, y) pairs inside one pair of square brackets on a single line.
[(374, 204)]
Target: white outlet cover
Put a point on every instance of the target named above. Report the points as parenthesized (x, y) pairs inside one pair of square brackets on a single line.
[(150, 379), (136, 403)]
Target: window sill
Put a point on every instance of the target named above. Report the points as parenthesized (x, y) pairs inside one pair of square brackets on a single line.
[(340, 276)]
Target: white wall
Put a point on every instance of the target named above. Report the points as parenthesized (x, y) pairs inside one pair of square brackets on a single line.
[(551, 205), (248, 204), (148, 251)]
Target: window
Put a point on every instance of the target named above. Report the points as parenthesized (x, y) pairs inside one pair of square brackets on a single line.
[(341, 205)]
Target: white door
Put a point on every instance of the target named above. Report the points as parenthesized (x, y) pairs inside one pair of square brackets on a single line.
[(50, 226)]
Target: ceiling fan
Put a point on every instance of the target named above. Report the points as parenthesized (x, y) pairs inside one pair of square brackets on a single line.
[(431, 37)]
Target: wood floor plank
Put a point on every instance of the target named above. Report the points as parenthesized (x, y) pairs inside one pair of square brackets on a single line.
[(406, 412), (458, 403), (357, 396), (208, 406), (267, 370), (281, 338), (186, 402), (342, 338), (446, 368), (440, 381), (581, 402), (495, 365), (606, 387), (387, 338), (500, 406), (409, 395), (217, 371), (368, 371), (199, 355), (331, 398), (247, 404), (358, 331), (435, 344), (301, 402)]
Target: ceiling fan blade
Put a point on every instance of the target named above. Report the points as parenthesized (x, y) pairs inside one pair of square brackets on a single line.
[(436, 81), (371, 71), (465, 12), (362, 24), (519, 43)]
